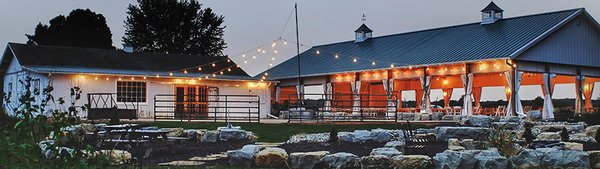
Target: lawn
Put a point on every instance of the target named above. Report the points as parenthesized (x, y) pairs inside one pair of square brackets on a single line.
[(279, 132)]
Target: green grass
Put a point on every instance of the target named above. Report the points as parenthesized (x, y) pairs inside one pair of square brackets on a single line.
[(279, 132)]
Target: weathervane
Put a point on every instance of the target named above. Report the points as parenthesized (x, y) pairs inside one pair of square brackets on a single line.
[(364, 18)]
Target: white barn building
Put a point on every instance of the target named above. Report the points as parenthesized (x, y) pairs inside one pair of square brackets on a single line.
[(162, 86)]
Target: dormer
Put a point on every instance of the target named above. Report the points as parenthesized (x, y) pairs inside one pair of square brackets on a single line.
[(362, 33), (491, 13)]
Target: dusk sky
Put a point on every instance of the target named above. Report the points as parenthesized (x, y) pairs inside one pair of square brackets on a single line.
[(253, 23)]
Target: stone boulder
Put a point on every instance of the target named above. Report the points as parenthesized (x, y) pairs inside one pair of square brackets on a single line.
[(174, 132), (356, 136), (231, 134), (453, 142), (534, 115), (572, 146), (507, 125), (573, 128), (118, 157), (478, 121), (376, 162), (476, 133), (469, 144), (243, 157), (340, 160), (309, 138), (210, 137), (491, 159), (193, 134), (380, 136), (456, 148), (548, 136), (271, 157), (412, 162), (398, 145), (581, 137), (437, 116), (306, 160), (550, 158), (448, 118), (454, 160), (386, 151), (594, 159), (408, 116), (591, 130), (426, 116), (150, 128)]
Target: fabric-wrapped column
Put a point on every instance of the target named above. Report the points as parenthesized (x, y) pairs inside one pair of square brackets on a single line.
[(300, 92), (579, 82), (518, 106), (355, 97), (426, 103), (587, 92), (548, 109), (327, 90), (468, 86)]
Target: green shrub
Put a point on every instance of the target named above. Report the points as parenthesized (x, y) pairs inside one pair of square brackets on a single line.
[(504, 141), (564, 135), (528, 134), (333, 135)]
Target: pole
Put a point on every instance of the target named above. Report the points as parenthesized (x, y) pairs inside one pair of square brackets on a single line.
[(299, 101)]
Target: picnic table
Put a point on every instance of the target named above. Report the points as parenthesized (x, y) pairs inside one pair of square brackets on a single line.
[(134, 136)]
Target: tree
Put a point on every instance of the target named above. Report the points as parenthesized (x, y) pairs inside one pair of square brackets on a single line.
[(172, 26), (81, 28)]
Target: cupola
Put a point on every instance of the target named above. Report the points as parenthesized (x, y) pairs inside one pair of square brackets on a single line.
[(363, 32), (491, 13)]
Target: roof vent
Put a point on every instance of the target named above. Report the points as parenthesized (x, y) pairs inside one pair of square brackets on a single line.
[(491, 13), (363, 32)]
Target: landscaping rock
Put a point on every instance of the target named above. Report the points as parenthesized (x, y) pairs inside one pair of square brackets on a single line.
[(534, 115), (555, 158), (573, 128), (573, 146), (398, 145), (476, 133), (193, 134), (581, 137), (412, 162), (456, 148), (491, 159), (118, 157), (510, 119), (594, 159), (448, 118), (45, 148), (550, 158), (408, 116), (243, 157), (309, 138), (182, 163), (89, 128), (454, 160), (591, 130), (386, 151), (453, 142), (150, 128), (341, 160), (469, 144), (210, 137), (528, 158), (306, 160), (174, 132), (507, 125), (437, 116), (548, 136), (425, 116), (271, 157), (232, 134), (380, 136), (376, 162), (479, 121)]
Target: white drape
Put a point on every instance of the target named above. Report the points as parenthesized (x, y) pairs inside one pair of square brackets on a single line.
[(579, 86), (548, 109), (518, 106), (299, 91), (327, 90), (467, 102), (278, 93), (356, 97), (388, 87), (426, 103)]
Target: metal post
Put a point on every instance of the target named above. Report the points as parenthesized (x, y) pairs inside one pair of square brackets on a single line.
[(299, 101), (226, 112), (258, 106)]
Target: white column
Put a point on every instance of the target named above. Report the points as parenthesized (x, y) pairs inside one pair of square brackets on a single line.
[(518, 106), (426, 103), (468, 86), (548, 109), (356, 97), (579, 85)]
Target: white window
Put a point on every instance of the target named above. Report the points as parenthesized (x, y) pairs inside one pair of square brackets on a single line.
[(128, 91)]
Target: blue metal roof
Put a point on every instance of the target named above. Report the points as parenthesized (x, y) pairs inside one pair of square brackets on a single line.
[(461, 43)]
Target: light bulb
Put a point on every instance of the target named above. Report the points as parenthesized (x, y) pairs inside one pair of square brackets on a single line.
[(221, 72), (318, 52), (214, 75), (275, 51), (229, 69), (95, 78), (213, 65), (228, 60), (199, 68), (245, 61), (144, 77), (336, 56), (373, 63), (157, 76), (243, 55), (392, 65), (253, 56), (284, 42), (185, 71), (170, 74), (354, 60)]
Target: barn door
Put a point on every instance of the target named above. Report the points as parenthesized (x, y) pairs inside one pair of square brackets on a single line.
[(193, 100)]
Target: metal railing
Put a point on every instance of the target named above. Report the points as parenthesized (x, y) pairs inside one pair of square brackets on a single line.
[(342, 107), (217, 108), (105, 106)]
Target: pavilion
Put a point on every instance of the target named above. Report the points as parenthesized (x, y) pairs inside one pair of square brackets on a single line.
[(541, 49)]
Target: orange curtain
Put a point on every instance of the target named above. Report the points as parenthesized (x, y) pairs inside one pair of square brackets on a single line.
[(287, 93), (477, 96), (507, 91), (380, 98), (587, 93), (447, 94), (342, 95)]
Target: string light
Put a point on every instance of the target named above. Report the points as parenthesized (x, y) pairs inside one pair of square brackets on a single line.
[(273, 58), (144, 77), (199, 68), (337, 56), (264, 51), (185, 71), (318, 52), (120, 79), (266, 73), (284, 42), (199, 79), (270, 64), (107, 78), (373, 63), (245, 62), (170, 74), (221, 72), (213, 65), (228, 60), (229, 69), (132, 78), (392, 65), (253, 56), (206, 76), (243, 55), (258, 49), (354, 60), (274, 44), (238, 65), (214, 75), (95, 78), (275, 51), (157, 76)]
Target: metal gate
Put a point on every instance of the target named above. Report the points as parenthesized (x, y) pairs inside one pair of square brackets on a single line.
[(206, 106), (342, 107)]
